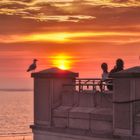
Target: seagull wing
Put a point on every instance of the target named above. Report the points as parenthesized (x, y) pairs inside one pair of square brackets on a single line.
[(31, 67)]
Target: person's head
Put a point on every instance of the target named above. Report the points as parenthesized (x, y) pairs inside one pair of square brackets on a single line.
[(104, 67), (120, 64)]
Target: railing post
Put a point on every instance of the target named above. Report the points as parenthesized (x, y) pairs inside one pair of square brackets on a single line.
[(80, 86)]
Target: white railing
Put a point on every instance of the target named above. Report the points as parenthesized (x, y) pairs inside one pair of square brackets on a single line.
[(90, 84)]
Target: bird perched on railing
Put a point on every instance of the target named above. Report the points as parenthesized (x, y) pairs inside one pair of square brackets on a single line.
[(32, 66)]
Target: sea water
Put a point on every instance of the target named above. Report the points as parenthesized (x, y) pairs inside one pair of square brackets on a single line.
[(16, 114)]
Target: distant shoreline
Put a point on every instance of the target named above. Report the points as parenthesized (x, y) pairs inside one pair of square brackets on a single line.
[(16, 90)]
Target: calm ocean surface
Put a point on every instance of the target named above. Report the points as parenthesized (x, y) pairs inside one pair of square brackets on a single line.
[(16, 114)]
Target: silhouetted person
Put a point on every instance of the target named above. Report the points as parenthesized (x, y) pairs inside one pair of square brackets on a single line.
[(32, 66), (118, 67), (105, 74)]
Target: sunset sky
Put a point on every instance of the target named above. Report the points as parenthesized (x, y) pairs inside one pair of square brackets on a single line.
[(81, 34)]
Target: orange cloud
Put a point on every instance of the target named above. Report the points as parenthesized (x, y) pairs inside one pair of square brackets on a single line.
[(63, 37)]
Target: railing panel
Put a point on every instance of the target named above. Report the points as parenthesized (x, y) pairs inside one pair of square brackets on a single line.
[(90, 85)]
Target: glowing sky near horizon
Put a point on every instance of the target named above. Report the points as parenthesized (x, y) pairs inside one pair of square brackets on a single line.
[(86, 32)]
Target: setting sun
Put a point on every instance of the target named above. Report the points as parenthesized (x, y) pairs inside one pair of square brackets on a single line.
[(62, 61)]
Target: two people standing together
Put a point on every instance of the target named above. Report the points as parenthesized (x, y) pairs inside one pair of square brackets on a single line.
[(105, 75)]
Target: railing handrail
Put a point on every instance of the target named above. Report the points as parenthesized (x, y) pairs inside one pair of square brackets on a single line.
[(92, 79), (84, 84), (88, 78)]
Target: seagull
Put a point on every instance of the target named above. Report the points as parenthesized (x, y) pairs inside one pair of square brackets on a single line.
[(32, 66)]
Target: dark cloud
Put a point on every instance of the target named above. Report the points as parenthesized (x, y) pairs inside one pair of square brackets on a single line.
[(120, 1), (27, 0), (16, 25), (125, 1)]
